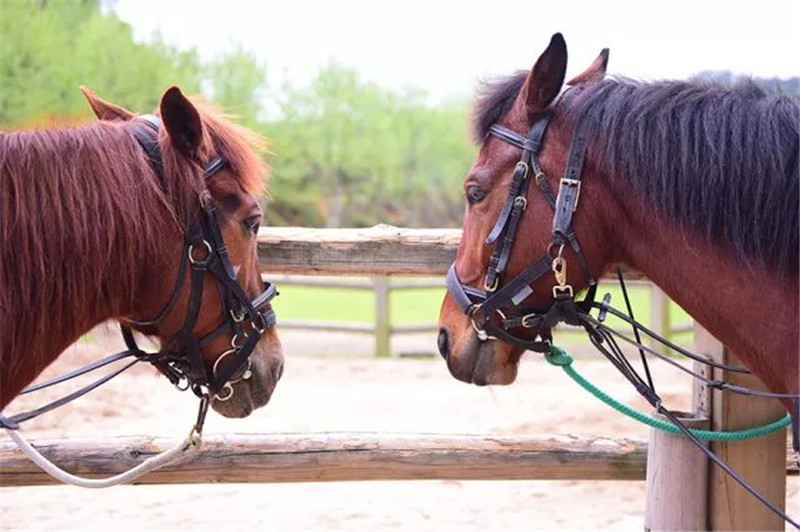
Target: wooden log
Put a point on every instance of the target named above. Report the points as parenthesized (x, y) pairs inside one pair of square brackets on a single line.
[(379, 250), (761, 462), (677, 480), (374, 251), (341, 457)]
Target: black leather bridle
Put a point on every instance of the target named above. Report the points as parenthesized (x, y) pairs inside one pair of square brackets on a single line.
[(496, 309), (204, 252), (181, 359)]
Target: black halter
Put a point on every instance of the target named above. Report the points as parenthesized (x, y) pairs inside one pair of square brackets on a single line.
[(204, 252), (504, 301)]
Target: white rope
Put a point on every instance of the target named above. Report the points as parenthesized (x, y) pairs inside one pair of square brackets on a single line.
[(186, 447)]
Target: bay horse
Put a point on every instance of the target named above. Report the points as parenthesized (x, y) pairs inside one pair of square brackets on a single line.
[(98, 223), (693, 184)]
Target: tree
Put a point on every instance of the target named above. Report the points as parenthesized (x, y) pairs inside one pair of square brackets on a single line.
[(48, 49)]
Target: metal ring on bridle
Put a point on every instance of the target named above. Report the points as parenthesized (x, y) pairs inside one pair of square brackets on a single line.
[(246, 374), (521, 200), (260, 330), (482, 334), (560, 249), (203, 260), (237, 318), (233, 344), (223, 398), (184, 379)]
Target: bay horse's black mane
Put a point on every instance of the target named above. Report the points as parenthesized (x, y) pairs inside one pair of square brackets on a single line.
[(718, 159)]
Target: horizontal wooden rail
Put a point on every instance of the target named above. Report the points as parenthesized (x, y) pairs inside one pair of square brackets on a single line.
[(324, 457), (341, 457), (375, 251), (327, 326), (379, 250)]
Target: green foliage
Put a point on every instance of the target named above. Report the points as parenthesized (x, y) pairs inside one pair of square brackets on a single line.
[(237, 81), (346, 152), (48, 49), (349, 152)]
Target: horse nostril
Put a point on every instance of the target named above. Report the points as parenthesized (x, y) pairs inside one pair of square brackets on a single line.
[(443, 342)]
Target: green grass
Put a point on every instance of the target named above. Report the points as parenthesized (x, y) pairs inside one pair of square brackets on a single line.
[(356, 306), (422, 305)]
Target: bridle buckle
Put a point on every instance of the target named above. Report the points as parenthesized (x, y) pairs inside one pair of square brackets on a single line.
[(493, 286), (573, 183), (527, 319)]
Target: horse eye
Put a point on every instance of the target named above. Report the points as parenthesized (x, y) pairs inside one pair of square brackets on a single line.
[(252, 223), (474, 195)]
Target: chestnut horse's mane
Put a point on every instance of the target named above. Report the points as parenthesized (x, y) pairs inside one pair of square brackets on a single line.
[(82, 206), (731, 175)]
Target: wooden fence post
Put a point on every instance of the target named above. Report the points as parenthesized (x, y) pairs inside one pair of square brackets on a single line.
[(383, 327), (677, 483), (761, 461), (677, 472), (659, 317)]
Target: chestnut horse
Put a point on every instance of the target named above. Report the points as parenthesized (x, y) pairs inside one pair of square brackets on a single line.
[(694, 184), (94, 226)]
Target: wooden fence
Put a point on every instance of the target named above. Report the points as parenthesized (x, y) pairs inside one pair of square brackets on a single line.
[(383, 329), (385, 251), (298, 255)]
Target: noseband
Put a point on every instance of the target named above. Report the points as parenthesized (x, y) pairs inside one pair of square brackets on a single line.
[(204, 252), (496, 309)]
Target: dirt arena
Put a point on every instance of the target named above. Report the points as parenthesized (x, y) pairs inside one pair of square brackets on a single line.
[(332, 384)]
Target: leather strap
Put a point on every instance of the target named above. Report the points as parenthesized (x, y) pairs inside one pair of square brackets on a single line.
[(570, 186), (146, 133)]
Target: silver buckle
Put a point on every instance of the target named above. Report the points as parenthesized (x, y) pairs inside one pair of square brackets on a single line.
[(573, 183)]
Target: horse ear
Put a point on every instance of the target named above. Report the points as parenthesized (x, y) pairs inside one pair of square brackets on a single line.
[(546, 77), (596, 71), (104, 110), (182, 122)]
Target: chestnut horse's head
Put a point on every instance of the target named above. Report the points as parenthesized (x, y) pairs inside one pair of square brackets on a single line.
[(205, 300), (524, 135)]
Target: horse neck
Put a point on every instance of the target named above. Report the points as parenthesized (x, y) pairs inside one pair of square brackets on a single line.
[(752, 312), (85, 216)]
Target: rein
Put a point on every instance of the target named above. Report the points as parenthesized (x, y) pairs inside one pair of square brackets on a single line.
[(181, 359), (496, 310)]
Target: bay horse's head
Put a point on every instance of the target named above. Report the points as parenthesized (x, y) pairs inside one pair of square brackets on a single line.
[(507, 248), (205, 299)]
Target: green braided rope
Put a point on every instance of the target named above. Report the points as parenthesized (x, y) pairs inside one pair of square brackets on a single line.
[(558, 357)]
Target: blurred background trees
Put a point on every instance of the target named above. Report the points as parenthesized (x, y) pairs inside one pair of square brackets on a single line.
[(344, 151)]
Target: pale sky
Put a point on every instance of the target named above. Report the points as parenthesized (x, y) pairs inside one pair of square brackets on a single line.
[(445, 47)]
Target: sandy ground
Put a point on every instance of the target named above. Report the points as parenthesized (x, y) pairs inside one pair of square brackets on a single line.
[(331, 384)]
